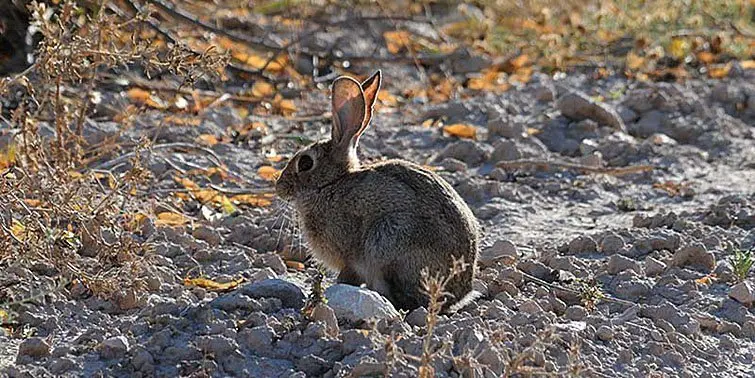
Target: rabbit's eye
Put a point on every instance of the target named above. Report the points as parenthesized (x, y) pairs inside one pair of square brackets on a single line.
[(305, 163)]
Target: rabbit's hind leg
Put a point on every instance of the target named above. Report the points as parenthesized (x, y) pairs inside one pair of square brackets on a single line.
[(349, 276)]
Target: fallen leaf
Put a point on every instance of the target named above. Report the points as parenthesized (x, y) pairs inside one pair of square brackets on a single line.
[(18, 230), (707, 280), (144, 97), (258, 200), (679, 48), (461, 130), (171, 219), (211, 285), (285, 107), (268, 173), (719, 72), (396, 40), (262, 88), (8, 156), (706, 57), (634, 61), (295, 265), (748, 64), (208, 140), (186, 183)]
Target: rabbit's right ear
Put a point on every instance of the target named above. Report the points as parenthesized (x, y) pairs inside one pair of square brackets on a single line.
[(348, 111)]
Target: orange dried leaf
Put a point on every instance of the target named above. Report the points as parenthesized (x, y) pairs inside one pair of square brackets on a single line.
[(208, 140), (141, 96), (211, 285), (461, 130), (253, 199), (268, 173), (719, 71), (285, 107), (748, 64), (387, 99), (706, 57), (295, 265), (396, 40), (707, 280), (171, 219), (634, 61), (262, 89), (186, 183)]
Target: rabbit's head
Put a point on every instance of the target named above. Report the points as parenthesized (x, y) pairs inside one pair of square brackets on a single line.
[(322, 163)]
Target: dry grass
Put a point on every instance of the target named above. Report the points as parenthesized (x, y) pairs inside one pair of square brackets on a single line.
[(82, 224)]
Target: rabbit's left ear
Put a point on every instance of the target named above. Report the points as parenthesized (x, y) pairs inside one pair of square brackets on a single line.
[(348, 111), (370, 87)]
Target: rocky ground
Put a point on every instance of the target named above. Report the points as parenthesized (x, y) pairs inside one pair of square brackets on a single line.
[(583, 270), (672, 307)]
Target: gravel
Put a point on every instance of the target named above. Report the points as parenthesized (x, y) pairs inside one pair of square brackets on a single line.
[(550, 238)]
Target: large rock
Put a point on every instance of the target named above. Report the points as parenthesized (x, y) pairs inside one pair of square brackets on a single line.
[(696, 256), (353, 303), (291, 296), (743, 293), (578, 106), (34, 347)]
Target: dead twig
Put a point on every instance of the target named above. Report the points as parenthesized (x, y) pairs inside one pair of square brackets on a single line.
[(162, 86), (549, 164), (178, 145)]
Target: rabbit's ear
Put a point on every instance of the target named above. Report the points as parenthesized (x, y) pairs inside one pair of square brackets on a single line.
[(348, 111), (371, 87)]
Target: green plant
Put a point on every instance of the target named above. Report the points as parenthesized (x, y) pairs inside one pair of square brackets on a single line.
[(741, 262), (590, 293)]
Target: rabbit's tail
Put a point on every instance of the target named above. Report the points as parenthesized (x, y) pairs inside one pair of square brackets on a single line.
[(464, 301)]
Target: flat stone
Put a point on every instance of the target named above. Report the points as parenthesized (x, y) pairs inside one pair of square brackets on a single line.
[(578, 106)]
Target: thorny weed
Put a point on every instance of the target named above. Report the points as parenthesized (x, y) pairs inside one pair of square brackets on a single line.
[(82, 224), (434, 287)]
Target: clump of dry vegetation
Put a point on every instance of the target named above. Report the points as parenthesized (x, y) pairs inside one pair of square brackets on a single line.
[(59, 216)]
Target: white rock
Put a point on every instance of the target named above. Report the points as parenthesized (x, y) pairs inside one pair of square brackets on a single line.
[(355, 303)]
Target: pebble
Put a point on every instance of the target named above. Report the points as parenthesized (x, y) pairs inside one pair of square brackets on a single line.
[(578, 106), (604, 333), (576, 313), (290, 295), (114, 347), (619, 263), (743, 293), (468, 151), (582, 244), (34, 347), (500, 250), (695, 256), (324, 313), (611, 243), (653, 266)]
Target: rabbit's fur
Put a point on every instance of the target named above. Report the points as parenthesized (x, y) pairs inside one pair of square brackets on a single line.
[(378, 224)]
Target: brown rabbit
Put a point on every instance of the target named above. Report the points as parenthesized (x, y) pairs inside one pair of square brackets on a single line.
[(378, 224)]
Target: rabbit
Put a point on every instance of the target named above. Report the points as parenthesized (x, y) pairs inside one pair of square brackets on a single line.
[(379, 224)]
